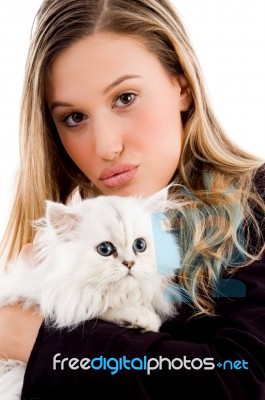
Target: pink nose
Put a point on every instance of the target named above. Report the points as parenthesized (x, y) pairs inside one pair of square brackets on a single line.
[(128, 264)]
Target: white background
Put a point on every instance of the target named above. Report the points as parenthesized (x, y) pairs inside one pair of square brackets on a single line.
[(228, 37)]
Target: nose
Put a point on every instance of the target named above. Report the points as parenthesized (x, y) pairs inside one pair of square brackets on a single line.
[(108, 139), (128, 264)]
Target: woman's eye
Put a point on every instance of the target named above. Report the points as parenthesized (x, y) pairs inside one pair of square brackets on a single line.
[(74, 119), (139, 245), (106, 249), (124, 100)]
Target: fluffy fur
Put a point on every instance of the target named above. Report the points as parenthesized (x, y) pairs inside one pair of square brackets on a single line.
[(95, 259)]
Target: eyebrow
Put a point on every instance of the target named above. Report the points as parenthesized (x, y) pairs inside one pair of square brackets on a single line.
[(60, 104), (106, 90), (119, 81)]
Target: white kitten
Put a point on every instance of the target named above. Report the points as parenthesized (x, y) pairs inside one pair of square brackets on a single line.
[(96, 259)]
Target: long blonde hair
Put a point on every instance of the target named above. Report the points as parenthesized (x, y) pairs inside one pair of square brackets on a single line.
[(210, 163)]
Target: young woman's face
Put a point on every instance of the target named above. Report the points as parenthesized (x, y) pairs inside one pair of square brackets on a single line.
[(117, 112)]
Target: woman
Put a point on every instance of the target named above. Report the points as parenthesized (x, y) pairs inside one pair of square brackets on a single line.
[(114, 103)]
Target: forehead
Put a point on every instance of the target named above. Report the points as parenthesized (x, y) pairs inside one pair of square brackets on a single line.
[(121, 209), (100, 58), (119, 216)]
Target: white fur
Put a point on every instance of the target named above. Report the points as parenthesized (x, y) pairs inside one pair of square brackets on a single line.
[(11, 379), (72, 282)]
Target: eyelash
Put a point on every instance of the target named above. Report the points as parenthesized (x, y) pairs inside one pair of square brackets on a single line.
[(81, 115), (67, 116), (126, 93)]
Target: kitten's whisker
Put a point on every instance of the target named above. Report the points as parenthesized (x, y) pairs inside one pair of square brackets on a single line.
[(104, 283)]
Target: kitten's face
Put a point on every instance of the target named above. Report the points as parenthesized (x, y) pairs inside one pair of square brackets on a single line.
[(117, 238), (106, 240)]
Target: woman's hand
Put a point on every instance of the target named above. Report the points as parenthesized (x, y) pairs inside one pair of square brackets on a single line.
[(19, 326), (18, 331)]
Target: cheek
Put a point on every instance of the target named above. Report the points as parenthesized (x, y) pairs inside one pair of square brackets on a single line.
[(156, 127), (78, 148)]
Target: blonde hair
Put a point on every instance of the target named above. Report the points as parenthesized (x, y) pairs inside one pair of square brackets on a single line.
[(47, 172)]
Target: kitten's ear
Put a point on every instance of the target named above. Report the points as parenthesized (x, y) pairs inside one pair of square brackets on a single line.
[(61, 218), (158, 202)]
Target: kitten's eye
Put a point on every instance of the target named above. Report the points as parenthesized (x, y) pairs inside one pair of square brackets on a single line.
[(139, 245), (106, 249)]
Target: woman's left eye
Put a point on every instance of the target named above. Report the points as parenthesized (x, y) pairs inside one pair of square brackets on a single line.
[(124, 100)]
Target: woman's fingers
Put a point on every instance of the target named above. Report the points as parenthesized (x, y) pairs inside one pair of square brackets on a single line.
[(36, 238), (28, 252)]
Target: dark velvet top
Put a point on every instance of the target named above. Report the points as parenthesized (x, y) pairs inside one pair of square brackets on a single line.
[(221, 357)]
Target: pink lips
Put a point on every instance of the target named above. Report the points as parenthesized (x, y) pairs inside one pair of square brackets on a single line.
[(118, 175)]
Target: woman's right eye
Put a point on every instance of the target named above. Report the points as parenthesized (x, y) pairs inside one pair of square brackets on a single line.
[(73, 119)]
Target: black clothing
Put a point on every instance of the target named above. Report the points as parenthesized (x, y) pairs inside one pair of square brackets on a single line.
[(231, 345)]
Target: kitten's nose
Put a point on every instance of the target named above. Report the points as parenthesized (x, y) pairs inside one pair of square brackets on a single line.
[(128, 264)]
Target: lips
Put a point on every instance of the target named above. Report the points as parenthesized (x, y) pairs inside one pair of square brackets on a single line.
[(118, 175)]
